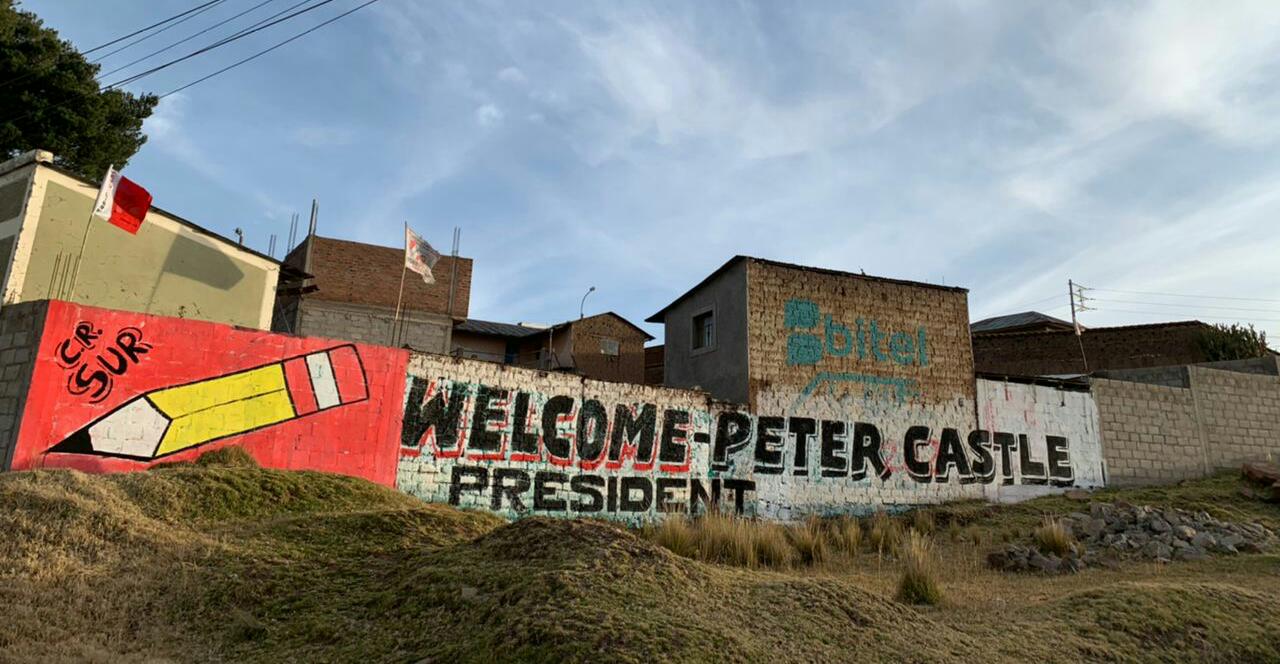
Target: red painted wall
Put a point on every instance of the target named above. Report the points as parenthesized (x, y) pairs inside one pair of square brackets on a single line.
[(107, 392)]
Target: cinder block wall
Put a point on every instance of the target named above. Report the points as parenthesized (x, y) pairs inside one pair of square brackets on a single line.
[(21, 327), (1159, 434), (1150, 434), (374, 325)]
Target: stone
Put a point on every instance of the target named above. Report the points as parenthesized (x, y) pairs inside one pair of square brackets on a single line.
[(1157, 550), (1233, 540), (1158, 525), (1076, 494), (1204, 541), (1191, 553), (1172, 517), (1093, 528), (1047, 564), (1100, 510), (1184, 532), (1260, 472)]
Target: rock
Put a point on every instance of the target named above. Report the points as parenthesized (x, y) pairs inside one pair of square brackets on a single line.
[(1077, 494), (1172, 517), (1180, 544), (1233, 540), (1159, 525), (1100, 510), (1203, 541), (1184, 532), (1260, 472), (1191, 553), (1079, 517), (1047, 564), (1250, 494), (1093, 528), (1249, 547), (1157, 550)]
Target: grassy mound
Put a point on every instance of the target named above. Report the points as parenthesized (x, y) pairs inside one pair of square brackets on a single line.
[(225, 561)]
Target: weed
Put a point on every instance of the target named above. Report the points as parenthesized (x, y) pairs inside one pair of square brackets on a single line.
[(1052, 537), (809, 540), (919, 581), (845, 535), (922, 521)]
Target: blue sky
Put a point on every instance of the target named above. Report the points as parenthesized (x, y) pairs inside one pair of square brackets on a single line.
[(1004, 147)]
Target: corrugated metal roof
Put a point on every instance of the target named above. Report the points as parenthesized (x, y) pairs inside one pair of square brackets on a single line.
[(496, 329), (1023, 319)]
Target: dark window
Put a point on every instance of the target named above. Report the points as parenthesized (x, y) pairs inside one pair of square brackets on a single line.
[(704, 330)]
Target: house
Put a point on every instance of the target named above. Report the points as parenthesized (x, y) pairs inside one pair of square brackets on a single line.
[(655, 358), (1061, 353), (759, 332), (604, 346), (355, 290), (171, 267), (1027, 321)]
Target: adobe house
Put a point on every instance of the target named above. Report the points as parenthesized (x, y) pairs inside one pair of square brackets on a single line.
[(762, 332), (1056, 352), (354, 292), (171, 267), (604, 346)]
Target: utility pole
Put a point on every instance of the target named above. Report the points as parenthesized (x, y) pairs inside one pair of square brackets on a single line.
[(1075, 324)]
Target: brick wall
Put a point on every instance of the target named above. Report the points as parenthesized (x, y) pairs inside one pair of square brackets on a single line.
[(21, 327), (1056, 353), (627, 366), (366, 274), (655, 359), (367, 324), (852, 333)]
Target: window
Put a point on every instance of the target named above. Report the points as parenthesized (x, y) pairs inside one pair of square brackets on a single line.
[(704, 330), (609, 346)]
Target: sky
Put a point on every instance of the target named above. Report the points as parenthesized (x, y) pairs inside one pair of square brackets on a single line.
[(1005, 147)]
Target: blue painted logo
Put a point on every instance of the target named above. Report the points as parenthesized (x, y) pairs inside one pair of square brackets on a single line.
[(815, 335)]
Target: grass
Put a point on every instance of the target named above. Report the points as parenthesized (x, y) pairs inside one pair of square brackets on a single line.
[(1053, 537), (228, 562), (918, 583)]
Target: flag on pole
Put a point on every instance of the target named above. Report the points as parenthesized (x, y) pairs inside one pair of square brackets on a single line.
[(121, 201), (419, 255)]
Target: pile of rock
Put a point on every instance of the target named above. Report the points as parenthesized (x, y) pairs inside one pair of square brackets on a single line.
[(1267, 476), (1111, 532)]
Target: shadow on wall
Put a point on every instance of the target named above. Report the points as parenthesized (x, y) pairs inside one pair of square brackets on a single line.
[(202, 263)]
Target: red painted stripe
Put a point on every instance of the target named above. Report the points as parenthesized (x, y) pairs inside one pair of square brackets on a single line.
[(298, 379), (348, 373)]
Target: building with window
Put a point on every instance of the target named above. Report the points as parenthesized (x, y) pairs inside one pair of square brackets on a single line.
[(757, 332), (604, 346), (170, 267)]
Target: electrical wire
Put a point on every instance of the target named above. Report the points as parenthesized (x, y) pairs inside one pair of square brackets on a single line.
[(143, 38), (1167, 313), (218, 44), (268, 50), (1182, 306), (35, 70), (185, 39), (153, 25), (1203, 297)]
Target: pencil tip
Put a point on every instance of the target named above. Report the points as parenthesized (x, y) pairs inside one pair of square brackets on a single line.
[(77, 443)]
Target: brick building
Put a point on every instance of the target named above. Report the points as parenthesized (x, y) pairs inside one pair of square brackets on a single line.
[(1057, 352), (604, 346), (356, 286), (760, 332)]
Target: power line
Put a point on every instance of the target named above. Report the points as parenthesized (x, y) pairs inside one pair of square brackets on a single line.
[(185, 39), (218, 44), (1167, 313), (1203, 297), (1182, 306), (36, 69), (268, 50), (143, 38), (153, 25)]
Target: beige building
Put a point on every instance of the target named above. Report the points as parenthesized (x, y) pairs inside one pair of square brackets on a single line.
[(171, 267)]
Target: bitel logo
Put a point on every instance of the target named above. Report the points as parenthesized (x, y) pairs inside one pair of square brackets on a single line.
[(815, 335)]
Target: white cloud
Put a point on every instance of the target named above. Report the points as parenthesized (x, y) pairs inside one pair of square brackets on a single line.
[(488, 115), (512, 75)]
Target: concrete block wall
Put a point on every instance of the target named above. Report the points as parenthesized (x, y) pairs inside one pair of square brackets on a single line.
[(374, 325), (21, 328), (1239, 414), (1155, 434)]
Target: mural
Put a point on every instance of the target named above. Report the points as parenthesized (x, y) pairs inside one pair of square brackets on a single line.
[(606, 450), (118, 391)]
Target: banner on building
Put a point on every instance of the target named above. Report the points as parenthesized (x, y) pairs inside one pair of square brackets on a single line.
[(121, 201)]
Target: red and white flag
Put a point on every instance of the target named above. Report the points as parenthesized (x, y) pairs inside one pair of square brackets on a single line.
[(419, 255), (121, 201)]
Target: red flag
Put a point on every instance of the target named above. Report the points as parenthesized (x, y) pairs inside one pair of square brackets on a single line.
[(121, 201)]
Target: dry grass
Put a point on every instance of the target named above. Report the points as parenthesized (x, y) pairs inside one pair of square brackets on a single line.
[(883, 534), (922, 521), (1053, 537), (845, 535), (918, 583), (809, 538)]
